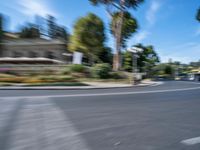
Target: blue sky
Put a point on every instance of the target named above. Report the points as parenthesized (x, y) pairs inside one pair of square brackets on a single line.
[(168, 25)]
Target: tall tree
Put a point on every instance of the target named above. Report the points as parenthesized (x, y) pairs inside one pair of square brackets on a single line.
[(128, 61), (30, 31), (88, 36), (1, 33), (61, 33), (129, 27), (56, 31), (41, 25), (198, 15), (120, 6), (51, 23), (147, 59), (1, 27)]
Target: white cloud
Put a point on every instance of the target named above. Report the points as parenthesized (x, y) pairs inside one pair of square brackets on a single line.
[(141, 36), (151, 12), (35, 7)]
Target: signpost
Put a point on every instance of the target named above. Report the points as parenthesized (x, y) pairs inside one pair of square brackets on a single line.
[(135, 51)]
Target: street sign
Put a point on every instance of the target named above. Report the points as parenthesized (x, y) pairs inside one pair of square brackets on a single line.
[(134, 49)]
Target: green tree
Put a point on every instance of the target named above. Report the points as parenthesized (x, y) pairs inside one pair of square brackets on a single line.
[(88, 36), (1, 32), (120, 6), (51, 23), (56, 31), (128, 61), (61, 33), (1, 28), (198, 15), (129, 27), (30, 31), (169, 70), (146, 61), (105, 55), (165, 70)]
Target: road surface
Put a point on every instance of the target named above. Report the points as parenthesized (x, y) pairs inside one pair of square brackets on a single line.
[(163, 117)]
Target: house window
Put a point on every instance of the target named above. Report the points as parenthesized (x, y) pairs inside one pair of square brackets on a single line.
[(50, 55), (32, 54), (17, 54)]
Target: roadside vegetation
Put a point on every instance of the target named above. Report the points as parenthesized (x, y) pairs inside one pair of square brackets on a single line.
[(100, 62), (70, 75), (74, 75)]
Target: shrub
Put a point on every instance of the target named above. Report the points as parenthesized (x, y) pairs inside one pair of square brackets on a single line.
[(77, 68), (33, 80), (3, 75), (101, 71), (118, 75), (49, 79), (66, 71), (13, 79)]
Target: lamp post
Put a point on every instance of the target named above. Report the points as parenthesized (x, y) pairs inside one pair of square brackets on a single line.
[(134, 51)]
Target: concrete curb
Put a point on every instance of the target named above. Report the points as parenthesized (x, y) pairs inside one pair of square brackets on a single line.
[(75, 87)]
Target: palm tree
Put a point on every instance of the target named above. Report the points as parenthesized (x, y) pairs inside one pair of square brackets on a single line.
[(120, 6)]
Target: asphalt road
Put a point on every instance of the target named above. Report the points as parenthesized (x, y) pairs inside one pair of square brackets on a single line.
[(164, 117)]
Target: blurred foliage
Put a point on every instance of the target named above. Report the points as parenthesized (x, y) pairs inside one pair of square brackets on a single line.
[(66, 71), (56, 31), (128, 61), (4, 75), (129, 26), (146, 60), (116, 3), (118, 75), (78, 68), (169, 70), (105, 55), (88, 37), (198, 15), (30, 31), (1, 28), (37, 79), (121, 23), (101, 71), (195, 64), (13, 79), (1, 32)]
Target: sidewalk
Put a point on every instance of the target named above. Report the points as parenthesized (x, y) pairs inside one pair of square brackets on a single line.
[(91, 85)]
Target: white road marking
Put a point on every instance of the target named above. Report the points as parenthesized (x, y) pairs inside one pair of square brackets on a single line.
[(157, 84), (191, 141), (43, 125), (106, 94), (191, 82)]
